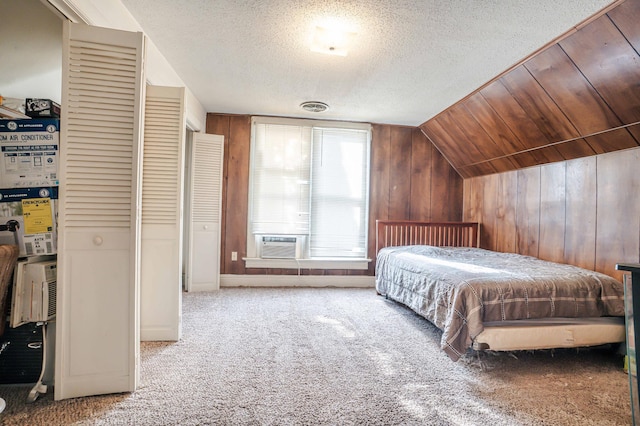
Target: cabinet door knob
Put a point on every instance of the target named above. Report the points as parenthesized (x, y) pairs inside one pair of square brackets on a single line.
[(97, 240), (205, 227)]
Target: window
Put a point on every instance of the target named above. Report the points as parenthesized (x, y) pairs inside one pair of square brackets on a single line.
[(310, 179)]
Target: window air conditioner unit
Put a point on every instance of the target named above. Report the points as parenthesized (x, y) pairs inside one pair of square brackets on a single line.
[(280, 246), (34, 292)]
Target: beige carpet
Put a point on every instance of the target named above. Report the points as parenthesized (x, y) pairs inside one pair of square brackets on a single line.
[(336, 357)]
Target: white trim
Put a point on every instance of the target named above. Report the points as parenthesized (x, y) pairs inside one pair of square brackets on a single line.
[(344, 263), (257, 119), (344, 281), (201, 287), (67, 10)]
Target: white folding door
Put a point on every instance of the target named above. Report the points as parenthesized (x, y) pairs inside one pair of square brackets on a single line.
[(203, 264), (162, 189), (97, 333)]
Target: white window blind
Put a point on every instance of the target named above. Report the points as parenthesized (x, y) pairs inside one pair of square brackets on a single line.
[(280, 180), (311, 180), (339, 189)]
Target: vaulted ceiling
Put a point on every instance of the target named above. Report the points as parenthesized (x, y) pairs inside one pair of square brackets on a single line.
[(436, 65), (408, 59), (575, 98)]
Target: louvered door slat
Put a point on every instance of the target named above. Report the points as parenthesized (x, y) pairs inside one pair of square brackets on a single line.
[(105, 52), (94, 104), (102, 114)]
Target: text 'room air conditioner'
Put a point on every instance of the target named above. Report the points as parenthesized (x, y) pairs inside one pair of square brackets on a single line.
[(280, 246), (34, 292)]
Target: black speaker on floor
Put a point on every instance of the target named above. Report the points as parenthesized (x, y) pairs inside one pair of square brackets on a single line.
[(21, 354)]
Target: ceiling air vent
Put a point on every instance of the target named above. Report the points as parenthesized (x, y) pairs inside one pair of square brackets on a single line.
[(314, 106)]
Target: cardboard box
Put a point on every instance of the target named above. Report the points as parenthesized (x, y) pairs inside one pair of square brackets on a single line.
[(30, 152), (41, 108), (28, 219)]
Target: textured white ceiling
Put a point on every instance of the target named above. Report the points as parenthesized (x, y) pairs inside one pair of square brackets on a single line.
[(410, 59)]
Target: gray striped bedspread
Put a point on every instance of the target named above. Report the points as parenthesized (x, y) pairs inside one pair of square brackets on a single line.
[(459, 288)]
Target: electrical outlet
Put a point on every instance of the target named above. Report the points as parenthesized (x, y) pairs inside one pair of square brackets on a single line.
[(234, 256)]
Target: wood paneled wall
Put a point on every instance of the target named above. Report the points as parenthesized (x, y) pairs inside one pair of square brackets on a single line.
[(578, 97), (584, 212), (410, 179)]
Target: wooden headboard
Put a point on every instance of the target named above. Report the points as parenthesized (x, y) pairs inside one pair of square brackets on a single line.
[(405, 232)]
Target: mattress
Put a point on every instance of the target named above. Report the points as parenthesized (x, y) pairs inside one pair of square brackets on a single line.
[(460, 289)]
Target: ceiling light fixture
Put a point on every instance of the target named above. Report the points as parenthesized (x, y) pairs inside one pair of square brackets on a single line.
[(314, 106), (331, 41)]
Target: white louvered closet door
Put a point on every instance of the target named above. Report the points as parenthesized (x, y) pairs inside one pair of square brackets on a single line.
[(206, 206), (97, 333), (162, 188)]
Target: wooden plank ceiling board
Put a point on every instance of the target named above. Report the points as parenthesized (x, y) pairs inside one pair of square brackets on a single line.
[(459, 149), (610, 64), (474, 133), (451, 148), (568, 87), (495, 128), (468, 152), (575, 148), (538, 105), (519, 122), (626, 18), (635, 129), (613, 140), (575, 98)]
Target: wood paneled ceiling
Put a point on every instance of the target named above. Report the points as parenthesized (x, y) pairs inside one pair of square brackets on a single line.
[(579, 96)]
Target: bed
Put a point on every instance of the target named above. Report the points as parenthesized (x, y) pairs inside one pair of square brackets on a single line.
[(488, 300)]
